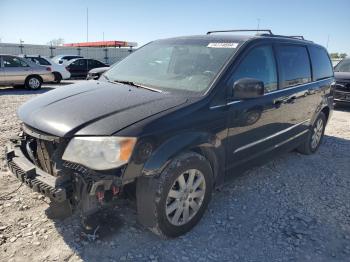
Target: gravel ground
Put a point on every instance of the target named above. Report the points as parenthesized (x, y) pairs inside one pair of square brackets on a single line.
[(295, 208)]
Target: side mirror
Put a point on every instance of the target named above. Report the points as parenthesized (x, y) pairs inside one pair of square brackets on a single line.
[(248, 88)]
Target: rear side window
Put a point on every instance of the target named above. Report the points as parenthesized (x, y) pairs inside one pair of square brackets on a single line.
[(321, 65), (80, 63), (258, 64), (39, 61), (294, 65), (94, 62)]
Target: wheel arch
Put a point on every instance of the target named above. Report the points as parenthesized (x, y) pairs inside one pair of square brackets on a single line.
[(205, 144), (56, 72), (31, 75), (326, 110)]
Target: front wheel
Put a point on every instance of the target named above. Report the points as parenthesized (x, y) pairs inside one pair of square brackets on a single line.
[(180, 195), (315, 136), (33, 83)]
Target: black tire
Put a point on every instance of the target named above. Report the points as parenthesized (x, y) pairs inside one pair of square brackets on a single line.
[(152, 194), (307, 147), (33, 82), (58, 77)]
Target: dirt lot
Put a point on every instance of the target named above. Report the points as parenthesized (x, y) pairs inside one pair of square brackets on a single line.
[(296, 208)]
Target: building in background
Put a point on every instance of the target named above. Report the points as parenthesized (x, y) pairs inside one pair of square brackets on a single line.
[(106, 51)]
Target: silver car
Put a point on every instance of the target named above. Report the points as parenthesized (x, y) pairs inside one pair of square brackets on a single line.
[(17, 71)]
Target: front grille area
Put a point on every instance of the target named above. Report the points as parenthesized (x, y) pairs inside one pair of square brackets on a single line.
[(42, 152), (343, 86)]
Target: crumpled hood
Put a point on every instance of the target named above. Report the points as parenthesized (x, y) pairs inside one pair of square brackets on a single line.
[(93, 108), (342, 75)]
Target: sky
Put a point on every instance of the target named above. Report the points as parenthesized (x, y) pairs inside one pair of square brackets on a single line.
[(39, 21)]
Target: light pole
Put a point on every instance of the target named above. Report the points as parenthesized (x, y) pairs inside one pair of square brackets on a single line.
[(21, 45)]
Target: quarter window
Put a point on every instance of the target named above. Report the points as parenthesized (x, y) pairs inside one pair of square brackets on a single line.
[(321, 65), (294, 65), (258, 64)]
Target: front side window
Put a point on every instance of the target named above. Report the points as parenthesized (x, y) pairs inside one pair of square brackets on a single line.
[(294, 65), (174, 65), (258, 64), (321, 64), (10, 61), (343, 66)]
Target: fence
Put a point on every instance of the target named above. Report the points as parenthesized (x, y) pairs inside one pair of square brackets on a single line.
[(108, 55)]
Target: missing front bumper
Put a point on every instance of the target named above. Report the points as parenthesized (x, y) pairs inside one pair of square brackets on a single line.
[(38, 180)]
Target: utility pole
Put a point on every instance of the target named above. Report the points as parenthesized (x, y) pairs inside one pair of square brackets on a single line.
[(21, 45), (87, 24), (327, 41), (258, 24), (51, 50)]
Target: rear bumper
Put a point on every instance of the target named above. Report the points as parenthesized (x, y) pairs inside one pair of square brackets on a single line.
[(65, 74), (32, 176)]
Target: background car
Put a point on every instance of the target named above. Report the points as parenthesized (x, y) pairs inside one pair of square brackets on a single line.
[(15, 70), (81, 66), (61, 59), (95, 73), (342, 77), (58, 70)]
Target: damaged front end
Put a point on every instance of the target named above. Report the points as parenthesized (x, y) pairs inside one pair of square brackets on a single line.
[(35, 159)]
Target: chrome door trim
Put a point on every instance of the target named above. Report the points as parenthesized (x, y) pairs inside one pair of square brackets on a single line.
[(269, 137), (227, 104), (272, 92)]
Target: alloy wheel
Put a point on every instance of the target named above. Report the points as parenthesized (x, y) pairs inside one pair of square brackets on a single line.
[(317, 134), (34, 83), (185, 197)]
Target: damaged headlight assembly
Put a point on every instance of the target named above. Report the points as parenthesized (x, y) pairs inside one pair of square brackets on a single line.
[(100, 153)]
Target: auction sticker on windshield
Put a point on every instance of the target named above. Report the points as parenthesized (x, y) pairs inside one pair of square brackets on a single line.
[(223, 45)]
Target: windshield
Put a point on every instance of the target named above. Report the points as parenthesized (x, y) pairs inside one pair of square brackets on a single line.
[(186, 65), (343, 66)]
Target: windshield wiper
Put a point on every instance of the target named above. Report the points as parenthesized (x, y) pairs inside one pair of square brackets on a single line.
[(130, 83)]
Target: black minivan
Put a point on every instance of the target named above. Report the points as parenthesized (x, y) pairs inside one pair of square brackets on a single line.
[(172, 121)]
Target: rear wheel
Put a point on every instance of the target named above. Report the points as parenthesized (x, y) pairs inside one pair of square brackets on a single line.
[(33, 82), (58, 77), (181, 195), (315, 136)]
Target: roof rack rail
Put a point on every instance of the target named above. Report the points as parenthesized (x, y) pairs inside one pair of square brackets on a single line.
[(296, 36), (241, 30)]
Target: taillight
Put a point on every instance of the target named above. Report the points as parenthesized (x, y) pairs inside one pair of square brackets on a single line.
[(48, 69)]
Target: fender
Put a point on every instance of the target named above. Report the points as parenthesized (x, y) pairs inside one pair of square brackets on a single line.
[(209, 145), (326, 106)]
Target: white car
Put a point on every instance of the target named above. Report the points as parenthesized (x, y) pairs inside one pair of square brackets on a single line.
[(59, 71)]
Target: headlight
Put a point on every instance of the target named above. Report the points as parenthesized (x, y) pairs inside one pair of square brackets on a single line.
[(100, 153)]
